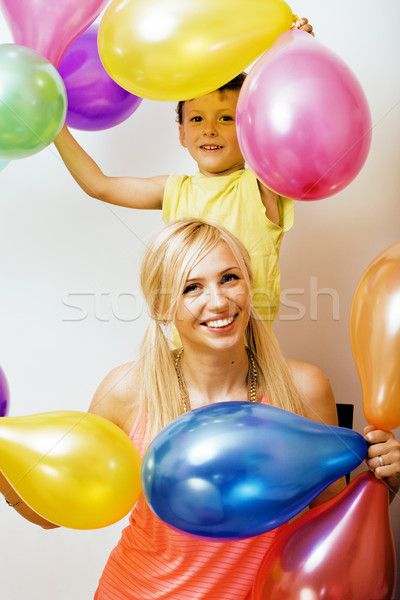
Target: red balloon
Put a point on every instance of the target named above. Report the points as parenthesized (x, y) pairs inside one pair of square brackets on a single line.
[(303, 122), (342, 549)]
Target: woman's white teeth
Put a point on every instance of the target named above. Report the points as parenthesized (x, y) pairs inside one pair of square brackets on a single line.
[(220, 322)]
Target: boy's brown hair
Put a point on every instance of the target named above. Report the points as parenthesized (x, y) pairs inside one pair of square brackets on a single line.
[(234, 84)]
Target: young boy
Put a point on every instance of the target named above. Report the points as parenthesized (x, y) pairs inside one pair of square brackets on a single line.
[(223, 190)]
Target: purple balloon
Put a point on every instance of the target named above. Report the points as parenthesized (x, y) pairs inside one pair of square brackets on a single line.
[(4, 394), (304, 125), (95, 101)]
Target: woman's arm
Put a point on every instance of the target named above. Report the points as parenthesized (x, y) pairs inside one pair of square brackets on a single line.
[(132, 192), (16, 502)]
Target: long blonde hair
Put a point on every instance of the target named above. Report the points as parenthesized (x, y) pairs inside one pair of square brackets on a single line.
[(165, 268)]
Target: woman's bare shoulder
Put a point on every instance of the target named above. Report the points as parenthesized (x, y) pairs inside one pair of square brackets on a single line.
[(315, 390), (116, 397)]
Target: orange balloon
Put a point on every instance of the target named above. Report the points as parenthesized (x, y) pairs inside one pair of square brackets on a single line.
[(75, 469), (375, 338)]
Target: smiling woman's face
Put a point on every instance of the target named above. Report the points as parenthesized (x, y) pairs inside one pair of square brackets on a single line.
[(213, 310)]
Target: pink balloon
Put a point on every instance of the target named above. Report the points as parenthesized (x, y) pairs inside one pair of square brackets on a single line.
[(50, 26), (341, 549), (303, 121)]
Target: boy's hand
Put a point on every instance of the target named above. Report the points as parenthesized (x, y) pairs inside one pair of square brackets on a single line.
[(304, 25)]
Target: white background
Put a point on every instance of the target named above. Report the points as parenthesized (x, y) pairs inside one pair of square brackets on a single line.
[(60, 248)]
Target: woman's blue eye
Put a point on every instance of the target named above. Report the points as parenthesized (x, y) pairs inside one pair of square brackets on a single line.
[(190, 288), (228, 277)]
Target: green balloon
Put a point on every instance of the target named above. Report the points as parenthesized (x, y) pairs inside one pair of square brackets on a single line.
[(33, 102)]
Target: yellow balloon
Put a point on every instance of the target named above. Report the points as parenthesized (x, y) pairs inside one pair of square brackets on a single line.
[(181, 49), (75, 469)]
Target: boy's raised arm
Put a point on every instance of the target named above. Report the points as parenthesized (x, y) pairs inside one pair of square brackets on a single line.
[(132, 192)]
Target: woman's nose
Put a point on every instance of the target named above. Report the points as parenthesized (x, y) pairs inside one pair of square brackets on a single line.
[(217, 299)]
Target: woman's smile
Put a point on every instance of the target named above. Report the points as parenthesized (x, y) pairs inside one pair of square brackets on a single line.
[(220, 323)]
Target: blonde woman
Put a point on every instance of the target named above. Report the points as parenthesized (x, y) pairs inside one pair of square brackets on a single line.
[(198, 276)]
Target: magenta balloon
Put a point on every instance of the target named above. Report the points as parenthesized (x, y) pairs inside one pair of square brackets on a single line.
[(342, 549), (303, 121), (4, 394), (49, 26), (95, 101)]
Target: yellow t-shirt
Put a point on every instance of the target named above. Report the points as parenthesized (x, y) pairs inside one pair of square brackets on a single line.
[(234, 201)]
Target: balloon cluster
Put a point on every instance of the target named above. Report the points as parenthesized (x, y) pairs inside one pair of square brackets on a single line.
[(303, 121), (33, 95), (33, 100)]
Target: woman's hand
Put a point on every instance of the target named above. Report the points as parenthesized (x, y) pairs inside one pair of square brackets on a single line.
[(15, 501), (383, 456), (304, 25)]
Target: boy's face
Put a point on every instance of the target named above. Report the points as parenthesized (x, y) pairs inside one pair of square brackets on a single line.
[(208, 131)]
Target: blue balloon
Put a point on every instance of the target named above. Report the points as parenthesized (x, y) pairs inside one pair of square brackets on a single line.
[(233, 470), (3, 163)]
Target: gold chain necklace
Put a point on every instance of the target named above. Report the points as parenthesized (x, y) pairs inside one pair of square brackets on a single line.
[(251, 380)]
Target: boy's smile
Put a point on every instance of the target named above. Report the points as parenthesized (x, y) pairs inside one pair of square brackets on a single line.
[(208, 131)]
